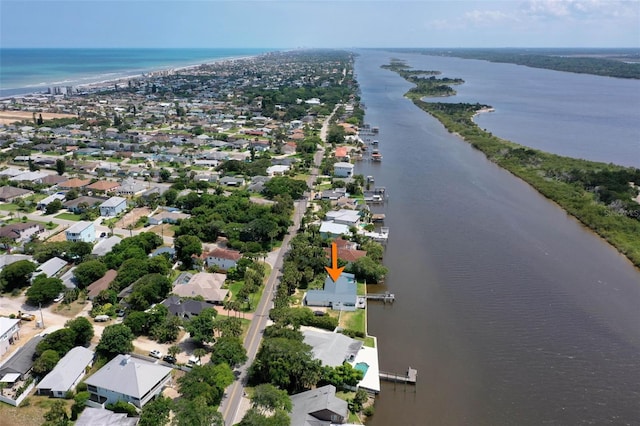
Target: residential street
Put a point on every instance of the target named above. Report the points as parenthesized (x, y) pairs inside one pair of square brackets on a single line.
[(234, 404)]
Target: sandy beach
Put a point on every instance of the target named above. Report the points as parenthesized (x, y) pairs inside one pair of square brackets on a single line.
[(9, 117)]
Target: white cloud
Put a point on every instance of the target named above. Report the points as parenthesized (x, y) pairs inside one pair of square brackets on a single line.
[(488, 17), (581, 8)]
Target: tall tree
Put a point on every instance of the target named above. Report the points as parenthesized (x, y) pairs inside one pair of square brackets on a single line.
[(187, 246), (206, 380), (82, 328), (201, 327), (61, 166), (16, 275), (116, 339), (44, 290)]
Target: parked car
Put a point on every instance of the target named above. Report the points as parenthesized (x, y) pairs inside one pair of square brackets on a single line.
[(27, 317), (170, 359), (194, 360), (101, 318), (103, 234), (156, 354), (59, 298)]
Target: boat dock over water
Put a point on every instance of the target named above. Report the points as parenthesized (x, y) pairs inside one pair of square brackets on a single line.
[(385, 297), (410, 377)]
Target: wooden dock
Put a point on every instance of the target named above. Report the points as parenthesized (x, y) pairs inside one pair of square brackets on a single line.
[(385, 297), (410, 377)]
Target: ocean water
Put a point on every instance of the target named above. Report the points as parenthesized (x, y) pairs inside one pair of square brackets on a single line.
[(34, 70)]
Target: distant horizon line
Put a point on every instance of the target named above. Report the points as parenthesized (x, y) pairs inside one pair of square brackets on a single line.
[(319, 47)]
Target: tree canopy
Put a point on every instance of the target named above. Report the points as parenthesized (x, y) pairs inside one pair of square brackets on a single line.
[(44, 290), (116, 339), (88, 272), (16, 275), (207, 380)]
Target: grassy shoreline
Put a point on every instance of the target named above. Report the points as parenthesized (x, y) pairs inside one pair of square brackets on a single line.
[(597, 194)]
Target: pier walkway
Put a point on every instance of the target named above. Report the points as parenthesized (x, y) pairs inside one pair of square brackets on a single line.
[(411, 376)]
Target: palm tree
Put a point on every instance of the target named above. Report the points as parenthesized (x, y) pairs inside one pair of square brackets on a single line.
[(130, 228), (174, 350), (199, 353)]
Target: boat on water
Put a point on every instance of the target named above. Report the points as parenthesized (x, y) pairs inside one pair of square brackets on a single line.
[(375, 142), (375, 155), (370, 179)]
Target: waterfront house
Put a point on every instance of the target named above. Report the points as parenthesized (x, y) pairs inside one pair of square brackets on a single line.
[(67, 373), (343, 169), (334, 349), (127, 379), (344, 217), (81, 231), (339, 295), (113, 206), (330, 230), (318, 407)]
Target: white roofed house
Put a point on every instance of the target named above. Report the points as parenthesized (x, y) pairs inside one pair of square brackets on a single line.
[(81, 231), (50, 268), (343, 169), (67, 373), (127, 379), (344, 216), (9, 332), (113, 206)]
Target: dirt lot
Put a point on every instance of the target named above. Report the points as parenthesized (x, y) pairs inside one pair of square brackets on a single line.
[(133, 216), (8, 117), (31, 415)]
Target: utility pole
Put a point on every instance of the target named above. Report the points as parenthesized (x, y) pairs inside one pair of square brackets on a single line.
[(41, 317)]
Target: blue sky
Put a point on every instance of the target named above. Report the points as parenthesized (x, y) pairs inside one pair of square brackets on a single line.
[(304, 23)]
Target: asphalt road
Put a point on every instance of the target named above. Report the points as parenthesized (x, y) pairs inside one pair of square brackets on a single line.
[(231, 403)]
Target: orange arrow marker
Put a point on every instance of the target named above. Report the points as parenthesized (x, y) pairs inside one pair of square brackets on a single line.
[(334, 271)]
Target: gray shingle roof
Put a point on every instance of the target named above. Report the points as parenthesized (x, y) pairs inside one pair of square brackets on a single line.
[(316, 406), (21, 361)]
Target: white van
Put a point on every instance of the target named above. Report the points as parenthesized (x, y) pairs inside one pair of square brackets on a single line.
[(101, 318), (193, 360)]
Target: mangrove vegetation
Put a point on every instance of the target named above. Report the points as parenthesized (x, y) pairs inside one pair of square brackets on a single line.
[(601, 196)]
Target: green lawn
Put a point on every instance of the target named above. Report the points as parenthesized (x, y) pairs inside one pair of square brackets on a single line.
[(68, 216), (355, 320), (9, 207)]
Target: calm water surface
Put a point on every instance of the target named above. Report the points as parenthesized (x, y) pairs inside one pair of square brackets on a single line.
[(512, 313)]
